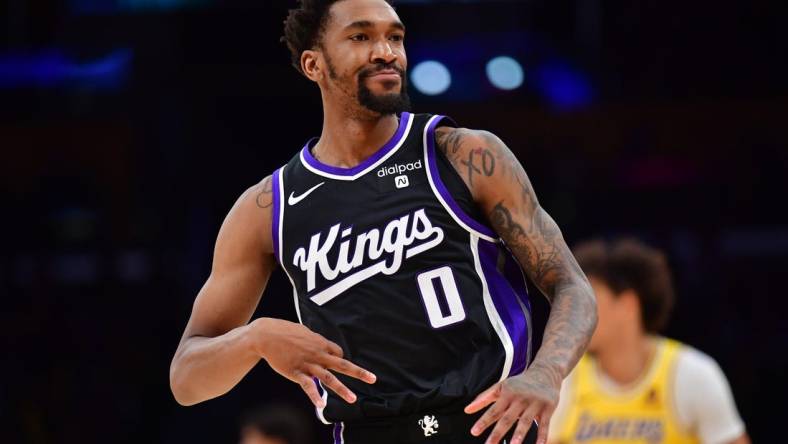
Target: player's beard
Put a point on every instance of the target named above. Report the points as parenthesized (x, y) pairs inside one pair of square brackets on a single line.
[(384, 104), (389, 103)]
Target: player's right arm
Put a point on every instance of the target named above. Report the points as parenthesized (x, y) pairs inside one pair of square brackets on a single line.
[(704, 400), (220, 345)]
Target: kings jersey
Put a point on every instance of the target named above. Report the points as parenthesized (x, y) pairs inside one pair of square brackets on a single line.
[(389, 260)]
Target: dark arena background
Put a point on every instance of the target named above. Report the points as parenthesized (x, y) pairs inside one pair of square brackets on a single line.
[(129, 127)]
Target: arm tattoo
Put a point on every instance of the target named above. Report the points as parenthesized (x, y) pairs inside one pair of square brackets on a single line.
[(545, 260), (471, 167), (449, 141), (480, 160), (265, 196), (535, 239), (487, 163)]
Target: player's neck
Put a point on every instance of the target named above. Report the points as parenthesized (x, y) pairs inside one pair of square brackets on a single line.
[(629, 358), (347, 140)]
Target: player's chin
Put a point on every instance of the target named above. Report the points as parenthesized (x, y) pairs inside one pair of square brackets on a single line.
[(389, 84), (387, 97)]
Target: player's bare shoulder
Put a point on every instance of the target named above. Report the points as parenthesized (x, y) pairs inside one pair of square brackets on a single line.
[(455, 142), (477, 155), (263, 192), (251, 216)]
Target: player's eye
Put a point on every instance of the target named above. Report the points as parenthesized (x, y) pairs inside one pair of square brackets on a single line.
[(358, 37), (397, 37)]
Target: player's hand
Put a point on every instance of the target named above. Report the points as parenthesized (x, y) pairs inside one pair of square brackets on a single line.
[(299, 354), (522, 399)]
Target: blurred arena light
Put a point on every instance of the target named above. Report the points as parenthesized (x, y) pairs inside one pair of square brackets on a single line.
[(53, 69), (505, 73), (563, 87), (133, 6), (431, 77)]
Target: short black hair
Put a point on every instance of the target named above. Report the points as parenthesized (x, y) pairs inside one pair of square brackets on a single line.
[(304, 27), (629, 264), (283, 421)]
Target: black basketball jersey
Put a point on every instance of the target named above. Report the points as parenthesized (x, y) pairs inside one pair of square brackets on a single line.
[(386, 261)]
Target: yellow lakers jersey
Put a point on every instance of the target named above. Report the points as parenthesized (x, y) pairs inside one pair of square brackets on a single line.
[(643, 414)]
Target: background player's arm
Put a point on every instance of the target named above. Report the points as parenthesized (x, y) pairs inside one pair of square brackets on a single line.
[(503, 191), (704, 401), (219, 345)]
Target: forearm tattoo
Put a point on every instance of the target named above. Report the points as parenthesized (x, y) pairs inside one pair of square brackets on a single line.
[(534, 238)]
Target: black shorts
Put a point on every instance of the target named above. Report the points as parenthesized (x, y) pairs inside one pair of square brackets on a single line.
[(419, 429)]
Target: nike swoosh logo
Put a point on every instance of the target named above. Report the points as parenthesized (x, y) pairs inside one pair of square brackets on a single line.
[(292, 200)]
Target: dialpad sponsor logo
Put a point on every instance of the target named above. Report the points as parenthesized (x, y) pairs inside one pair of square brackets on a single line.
[(399, 168)]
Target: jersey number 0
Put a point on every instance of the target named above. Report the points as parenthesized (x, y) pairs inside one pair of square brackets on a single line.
[(441, 280)]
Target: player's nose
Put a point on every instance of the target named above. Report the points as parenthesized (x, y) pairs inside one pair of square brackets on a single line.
[(382, 53)]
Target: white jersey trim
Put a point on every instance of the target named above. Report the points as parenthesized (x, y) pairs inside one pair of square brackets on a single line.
[(280, 217), (320, 410), (437, 193), (279, 234), (492, 312), (372, 166)]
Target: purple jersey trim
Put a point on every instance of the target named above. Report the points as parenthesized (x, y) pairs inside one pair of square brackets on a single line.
[(339, 171), (317, 384), (338, 433), (277, 205), (513, 273), (320, 412), (505, 298), (436, 178)]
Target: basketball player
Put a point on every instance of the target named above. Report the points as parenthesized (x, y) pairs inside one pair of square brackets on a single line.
[(405, 240), (635, 386)]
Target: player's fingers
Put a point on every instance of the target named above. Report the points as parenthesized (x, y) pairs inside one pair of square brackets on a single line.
[(509, 417), (348, 368), (524, 424), (333, 349), (492, 414), (484, 399), (329, 380), (310, 388), (543, 427)]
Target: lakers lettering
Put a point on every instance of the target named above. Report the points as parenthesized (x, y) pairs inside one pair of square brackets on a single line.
[(607, 429)]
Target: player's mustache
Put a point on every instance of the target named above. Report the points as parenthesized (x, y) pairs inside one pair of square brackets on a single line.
[(371, 71)]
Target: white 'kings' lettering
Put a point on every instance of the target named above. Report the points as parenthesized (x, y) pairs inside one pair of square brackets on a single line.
[(396, 241)]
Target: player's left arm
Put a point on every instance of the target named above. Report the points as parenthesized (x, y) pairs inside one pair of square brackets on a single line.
[(502, 190)]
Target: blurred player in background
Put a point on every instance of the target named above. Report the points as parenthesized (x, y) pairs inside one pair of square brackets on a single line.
[(634, 386), (276, 424)]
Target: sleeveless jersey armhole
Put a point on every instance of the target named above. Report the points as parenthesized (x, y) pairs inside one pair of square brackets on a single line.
[(277, 212), (453, 193), (457, 187)]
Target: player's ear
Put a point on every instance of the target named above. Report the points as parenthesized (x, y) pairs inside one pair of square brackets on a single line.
[(629, 298), (311, 65)]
